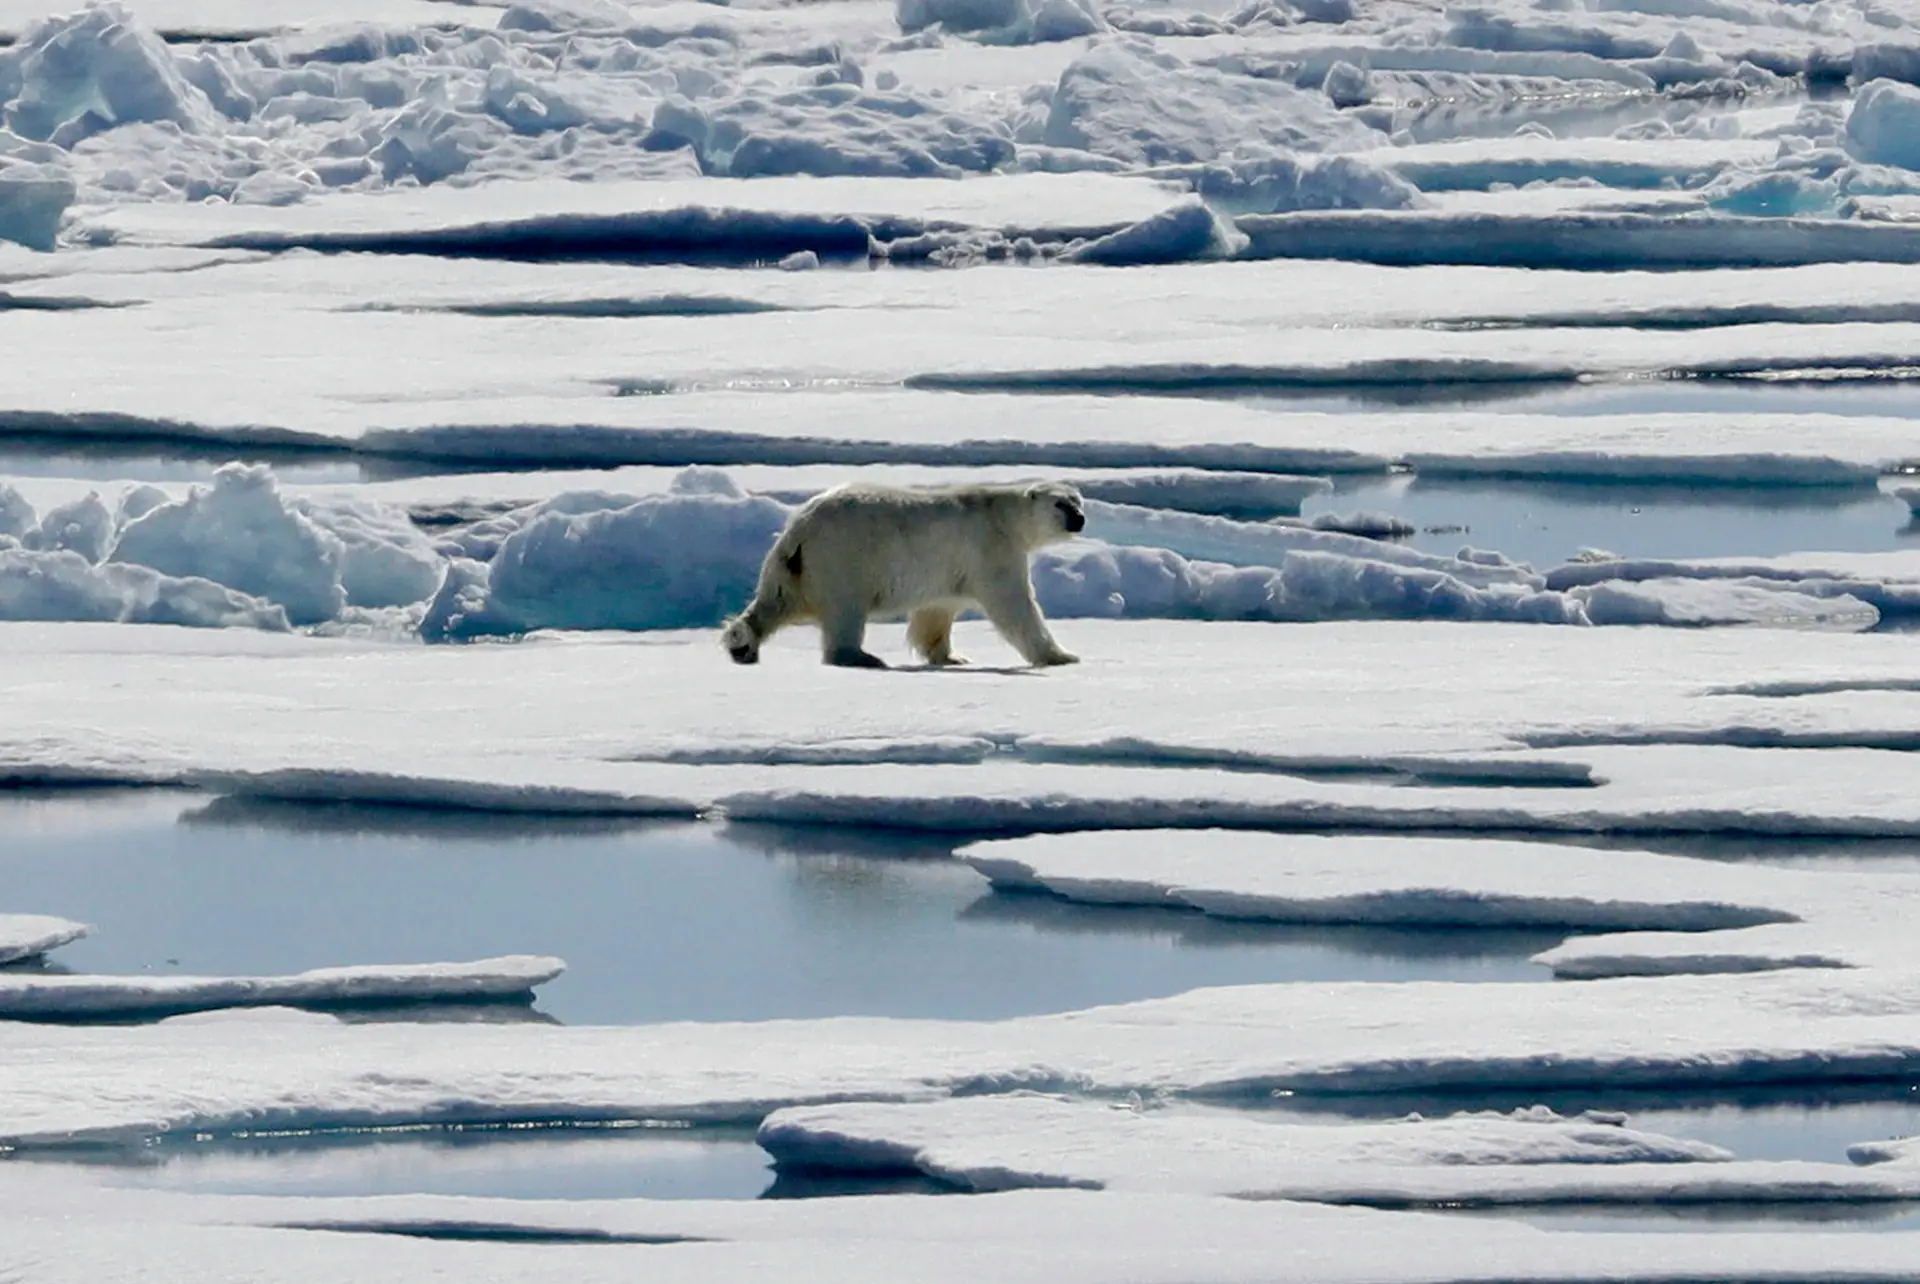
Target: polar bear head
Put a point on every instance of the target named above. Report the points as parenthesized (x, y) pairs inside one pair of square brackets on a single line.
[(1054, 512)]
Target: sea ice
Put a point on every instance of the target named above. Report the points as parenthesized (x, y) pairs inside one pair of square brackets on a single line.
[(240, 533), (1112, 743), (84, 526), (708, 217), (62, 585), (1533, 1157), (61, 1085), (62, 997), (1582, 241), (1885, 582), (65, 1231), (590, 560), (509, 364), (1882, 125), (1662, 914), (26, 936), (1147, 107), (1695, 603), (34, 199), (1431, 882)]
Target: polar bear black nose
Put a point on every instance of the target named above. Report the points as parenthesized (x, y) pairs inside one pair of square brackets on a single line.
[(743, 655), (1076, 522)]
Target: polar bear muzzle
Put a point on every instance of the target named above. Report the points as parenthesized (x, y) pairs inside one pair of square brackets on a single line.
[(742, 643)]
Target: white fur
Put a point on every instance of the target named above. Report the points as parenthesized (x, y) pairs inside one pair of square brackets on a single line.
[(860, 551)]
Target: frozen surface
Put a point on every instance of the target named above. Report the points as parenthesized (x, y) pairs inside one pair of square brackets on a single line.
[(511, 364), (1154, 1239), (247, 17), (662, 723), (685, 551), (1349, 879), (750, 923), (765, 217), (1017, 235), (1575, 239), (27, 936), (238, 532), (594, 561), (52, 997), (1693, 603), (1887, 582), (1664, 914), (62, 1084), (60, 584), (1024, 1140)]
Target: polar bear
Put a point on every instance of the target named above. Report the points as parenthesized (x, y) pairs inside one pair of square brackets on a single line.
[(863, 550)]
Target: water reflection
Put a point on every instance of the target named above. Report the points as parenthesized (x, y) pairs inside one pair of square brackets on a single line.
[(1892, 1215), (1484, 952), (1548, 522), (452, 824), (1755, 1121), (628, 1159), (105, 458), (657, 920), (622, 1161)]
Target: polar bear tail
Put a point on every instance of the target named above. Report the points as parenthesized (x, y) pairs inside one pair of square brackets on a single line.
[(776, 600)]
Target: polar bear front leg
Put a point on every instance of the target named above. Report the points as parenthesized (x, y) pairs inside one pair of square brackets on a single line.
[(930, 631), (843, 632), (1013, 611)]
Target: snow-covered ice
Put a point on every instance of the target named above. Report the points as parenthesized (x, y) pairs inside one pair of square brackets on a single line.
[(62, 585), (47, 997), (1206, 263), (664, 724), (1032, 1237), (1025, 1140), (417, 377), (242, 551), (1660, 914), (27, 936), (1888, 583), (1433, 882), (62, 1085)]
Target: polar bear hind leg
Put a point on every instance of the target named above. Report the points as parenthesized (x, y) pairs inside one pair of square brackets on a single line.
[(930, 631)]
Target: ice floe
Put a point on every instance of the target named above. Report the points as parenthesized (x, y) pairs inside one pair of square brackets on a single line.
[(1025, 1140), (1432, 882), (1695, 603), (1888, 583), (69, 1233), (426, 349), (1661, 915), (50, 997), (71, 1084), (663, 724), (595, 561), (702, 218), (27, 936), (1843, 919), (242, 552), (456, 235), (63, 585)]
